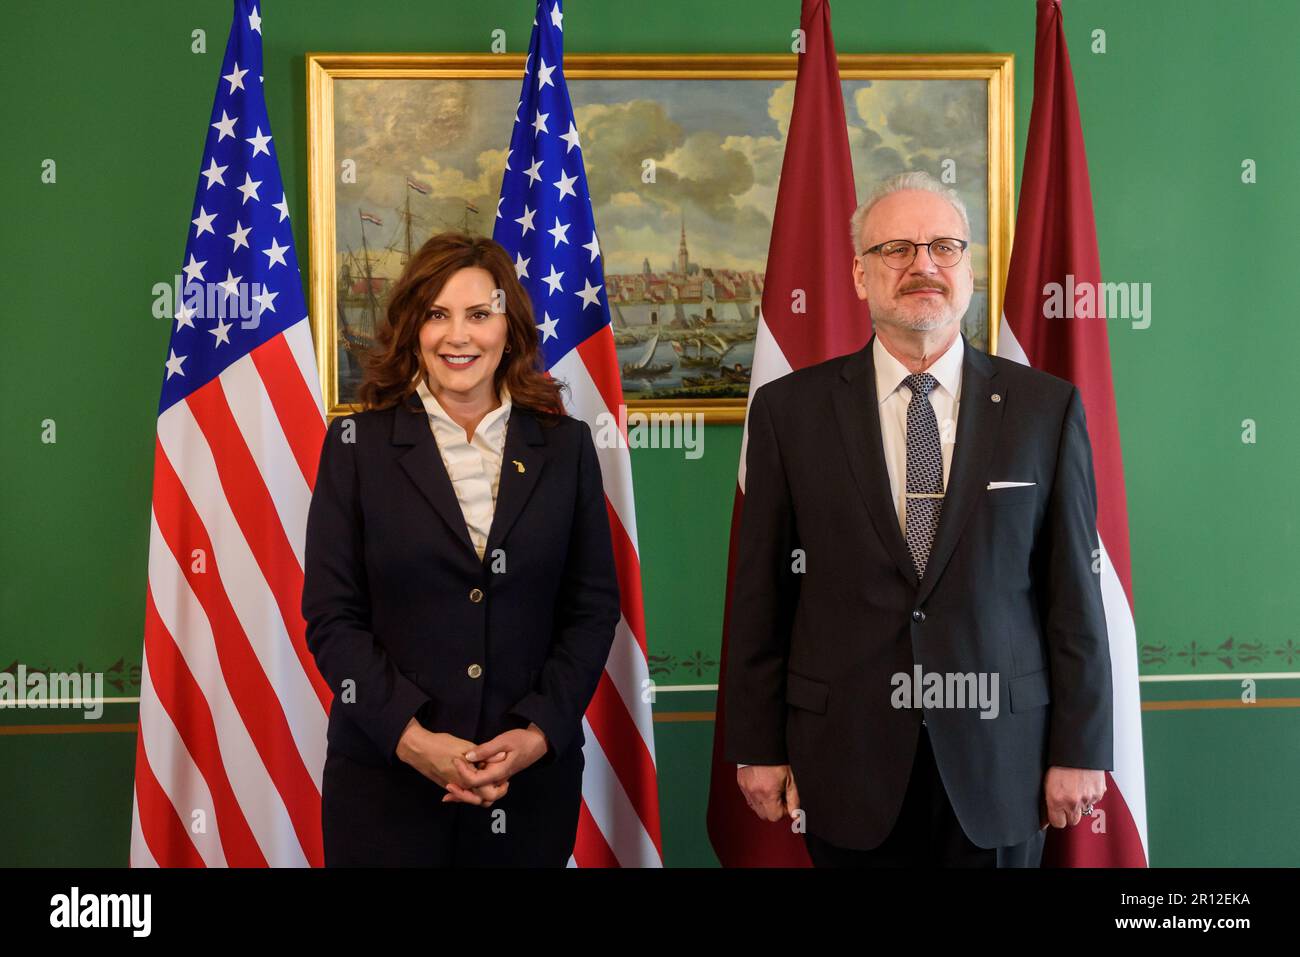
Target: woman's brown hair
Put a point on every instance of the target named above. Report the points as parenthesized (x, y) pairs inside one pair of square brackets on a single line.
[(391, 367)]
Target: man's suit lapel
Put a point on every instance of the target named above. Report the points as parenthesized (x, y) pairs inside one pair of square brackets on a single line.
[(857, 410), (979, 417)]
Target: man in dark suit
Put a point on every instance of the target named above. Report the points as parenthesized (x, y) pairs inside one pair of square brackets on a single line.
[(918, 669)]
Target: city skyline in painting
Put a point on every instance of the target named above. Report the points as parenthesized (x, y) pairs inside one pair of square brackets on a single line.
[(683, 175)]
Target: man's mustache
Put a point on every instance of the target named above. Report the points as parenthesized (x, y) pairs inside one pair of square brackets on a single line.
[(940, 287)]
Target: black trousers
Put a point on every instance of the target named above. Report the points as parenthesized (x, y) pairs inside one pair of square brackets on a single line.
[(927, 833), (393, 816)]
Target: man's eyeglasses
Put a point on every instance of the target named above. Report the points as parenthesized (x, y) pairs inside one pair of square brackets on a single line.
[(900, 253)]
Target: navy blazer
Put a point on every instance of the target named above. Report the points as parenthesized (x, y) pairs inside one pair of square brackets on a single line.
[(405, 620)]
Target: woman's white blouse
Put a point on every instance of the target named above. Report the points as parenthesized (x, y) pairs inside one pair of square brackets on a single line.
[(474, 466)]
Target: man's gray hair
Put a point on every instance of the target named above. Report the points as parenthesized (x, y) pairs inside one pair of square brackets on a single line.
[(912, 179)]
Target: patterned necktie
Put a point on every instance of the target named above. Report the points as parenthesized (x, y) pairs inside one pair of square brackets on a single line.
[(924, 491)]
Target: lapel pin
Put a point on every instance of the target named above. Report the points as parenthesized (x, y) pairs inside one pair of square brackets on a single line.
[(995, 397), (519, 466)]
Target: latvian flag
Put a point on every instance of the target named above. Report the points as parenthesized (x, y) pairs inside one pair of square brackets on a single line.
[(1056, 238), (809, 250)]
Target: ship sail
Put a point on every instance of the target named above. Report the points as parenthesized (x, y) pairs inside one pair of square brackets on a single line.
[(649, 353)]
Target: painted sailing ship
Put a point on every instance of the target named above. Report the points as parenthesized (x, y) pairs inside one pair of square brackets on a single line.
[(644, 367), (718, 350)]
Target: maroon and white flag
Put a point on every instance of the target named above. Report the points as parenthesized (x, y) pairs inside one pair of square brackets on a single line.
[(810, 313), (1055, 254)]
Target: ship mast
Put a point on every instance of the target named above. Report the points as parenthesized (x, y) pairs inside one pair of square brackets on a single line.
[(407, 219), (370, 284)]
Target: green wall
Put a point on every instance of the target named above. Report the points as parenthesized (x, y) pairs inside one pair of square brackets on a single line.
[(1186, 90)]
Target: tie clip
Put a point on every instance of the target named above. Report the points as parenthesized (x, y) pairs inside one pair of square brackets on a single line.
[(923, 494)]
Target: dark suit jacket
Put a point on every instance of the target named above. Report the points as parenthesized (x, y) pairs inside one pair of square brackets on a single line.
[(399, 605), (1008, 590)]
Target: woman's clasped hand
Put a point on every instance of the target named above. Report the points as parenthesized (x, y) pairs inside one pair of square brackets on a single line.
[(477, 774)]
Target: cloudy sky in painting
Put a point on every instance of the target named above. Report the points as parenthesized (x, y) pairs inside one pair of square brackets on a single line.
[(717, 148)]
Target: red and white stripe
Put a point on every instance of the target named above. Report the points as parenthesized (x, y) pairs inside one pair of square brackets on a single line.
[(232, 709), (1056, 237), (810, 253), (1127, 803), (619, 822)]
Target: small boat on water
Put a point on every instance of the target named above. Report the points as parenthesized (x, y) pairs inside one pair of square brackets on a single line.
[(645, 367)]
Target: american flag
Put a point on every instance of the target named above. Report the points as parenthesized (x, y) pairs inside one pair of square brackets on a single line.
[(232, 708), (544, 219)]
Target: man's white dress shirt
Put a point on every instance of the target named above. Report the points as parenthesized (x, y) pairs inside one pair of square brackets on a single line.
[(894, 395)]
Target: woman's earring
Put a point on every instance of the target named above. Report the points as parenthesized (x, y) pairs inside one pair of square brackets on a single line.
[(507, 347)]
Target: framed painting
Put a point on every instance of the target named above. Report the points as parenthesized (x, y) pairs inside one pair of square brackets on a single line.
[(683, 157)]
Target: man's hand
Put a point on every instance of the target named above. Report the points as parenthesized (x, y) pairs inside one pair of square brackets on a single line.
[(492, 763), (769, 790), (440, 758), (1066, 792)]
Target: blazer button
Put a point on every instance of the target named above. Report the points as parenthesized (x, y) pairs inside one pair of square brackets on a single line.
[(476, 595), (918, 616), (474, 671)]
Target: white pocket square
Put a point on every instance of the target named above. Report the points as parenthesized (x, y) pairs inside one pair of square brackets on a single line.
[(993, 485)]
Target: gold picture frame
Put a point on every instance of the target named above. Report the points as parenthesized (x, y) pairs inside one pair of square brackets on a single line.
[(993, 73)]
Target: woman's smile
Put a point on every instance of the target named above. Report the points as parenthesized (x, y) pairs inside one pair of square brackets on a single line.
[(458, 361)]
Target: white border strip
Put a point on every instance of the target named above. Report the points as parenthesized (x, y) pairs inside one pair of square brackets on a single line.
[(1257, 676)]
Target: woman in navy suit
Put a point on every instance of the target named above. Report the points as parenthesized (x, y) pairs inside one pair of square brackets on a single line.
[(460, 591)]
